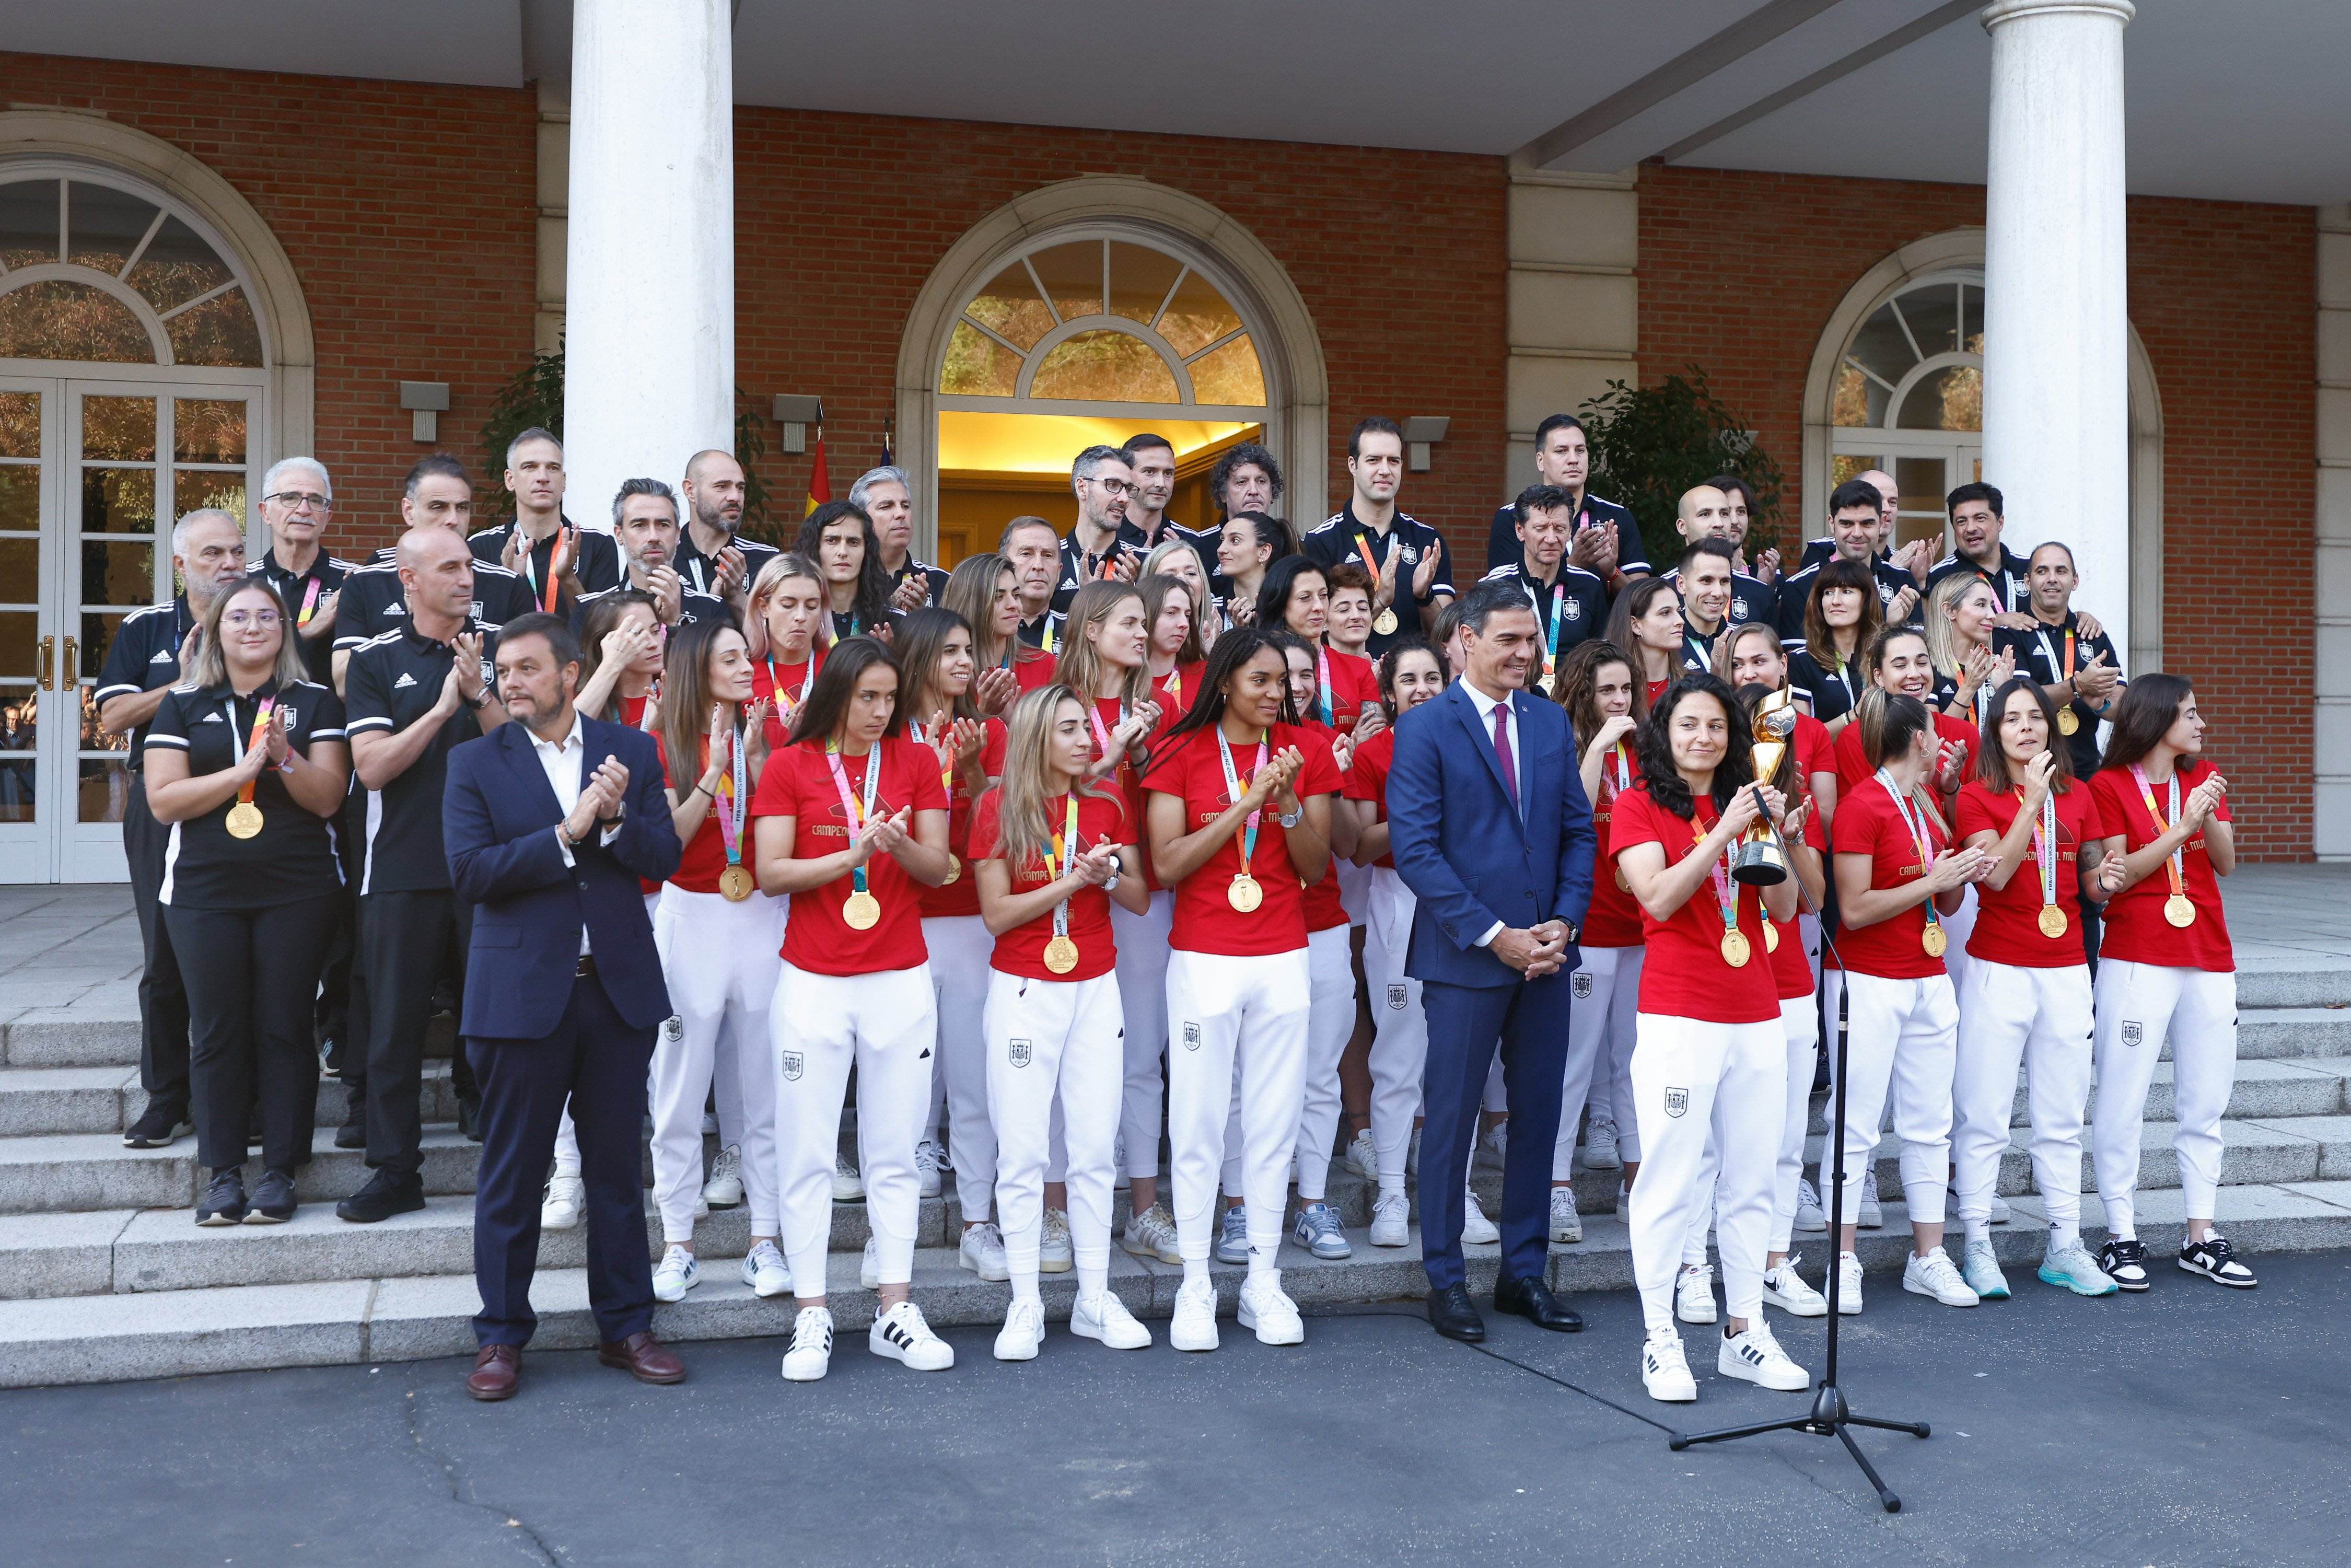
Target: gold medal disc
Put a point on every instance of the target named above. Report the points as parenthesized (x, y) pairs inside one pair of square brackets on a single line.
[(2068, 721), (1061, 954), (955, 869), (735, 883), (2176, 909), (2052, 921), (1244, 895), (244, 820), (1385, 623), (1770, 937), (1934, 939), (861, 911), (1735, 951)]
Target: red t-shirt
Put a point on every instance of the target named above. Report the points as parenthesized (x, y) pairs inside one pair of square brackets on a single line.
[(1852, 770), (1685, 973), (1323, 910), (705, 854), (1206, 920), (1367, 778), (1653, 690), (1021, 950), (1869, 823), (1814, 748), (1790, 970), (1355, 685), (1033, 668), (1615, 918), (798, 783), (797, 679), (2008, 919), (961, 896), (1175, 691), (1127, 783), (632, 710), (2136, 932)]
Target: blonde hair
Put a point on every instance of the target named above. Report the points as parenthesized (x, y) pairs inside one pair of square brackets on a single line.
[(779, 570), (1082, 667), (1022, 831), (209, 666), (1942, 634)]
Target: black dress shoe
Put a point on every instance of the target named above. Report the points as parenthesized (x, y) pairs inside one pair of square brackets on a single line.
[(1532, 1300), (469, 1116), (352, 1133), (385, 1195), (1452, 1313)]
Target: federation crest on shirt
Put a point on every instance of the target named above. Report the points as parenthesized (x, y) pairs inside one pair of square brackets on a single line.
[(1018, 1053), (2133, 1034), (793, 1063), (1573, 609), (1676, 1101), (1399, 996), (673, 1029), (1738, 608), (1579, 984)]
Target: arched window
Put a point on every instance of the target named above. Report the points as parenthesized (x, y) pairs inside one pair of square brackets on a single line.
[(1908, 397)]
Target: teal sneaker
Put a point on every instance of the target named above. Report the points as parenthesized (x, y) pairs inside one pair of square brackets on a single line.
[(1982, 1273), (2073, 1267)]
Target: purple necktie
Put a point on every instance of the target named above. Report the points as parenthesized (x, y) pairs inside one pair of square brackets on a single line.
[(1503, 751)]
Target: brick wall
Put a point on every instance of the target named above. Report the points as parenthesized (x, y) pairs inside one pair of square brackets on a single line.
[(1740, 271)]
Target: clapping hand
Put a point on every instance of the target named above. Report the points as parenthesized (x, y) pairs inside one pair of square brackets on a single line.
[(600, 798), (1898, 609), (914, 592), (669, 593), (279, 745), (886, 835), (2203, 800), (1594, 548), (2037, 776), (755, 734), (1137, 728), (1275, 776), (1096, 866), (1947, 767), (1957, 868)]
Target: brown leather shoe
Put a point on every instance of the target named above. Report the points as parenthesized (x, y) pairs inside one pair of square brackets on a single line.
[(496, 1370), (644, 1358)]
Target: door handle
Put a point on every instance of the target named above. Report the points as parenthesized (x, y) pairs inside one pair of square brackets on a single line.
[(69, 671), (49, 659)]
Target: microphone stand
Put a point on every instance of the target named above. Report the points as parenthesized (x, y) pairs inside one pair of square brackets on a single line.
[(1830, 1415)]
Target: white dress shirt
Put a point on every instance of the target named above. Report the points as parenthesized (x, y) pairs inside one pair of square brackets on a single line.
[(1485, 706), (561, 759)]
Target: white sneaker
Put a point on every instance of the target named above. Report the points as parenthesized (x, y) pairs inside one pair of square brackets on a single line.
[(2001, 1213), (1391, 1220), (1496, 1143), (982, 1251), (725, 1187), (1936, 1275), (1600, 1151), (1119, 1181), (1979, 1267), (675, 1275), (1785, 1289), (710, 1124), (903, 1337), (1665, 1370), (1270, 1312), (1054, 1253), (764, 1272), (1475, 1226), (1811, 1220), (1412, 1155), (1870, 1216), (1108, 1320), (1754, 1356), (869, 1268), (1152, 1234), (1848, 1285), (1194, 1324), (1694, 1293), (1566, 1225), (926, 1167), (566, 1200), (811, 1353), (848, 1186), (1362, 1157), (1023, 1331)]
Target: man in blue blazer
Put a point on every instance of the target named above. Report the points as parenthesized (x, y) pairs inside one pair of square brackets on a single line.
[(1491, 832), (548, 822)]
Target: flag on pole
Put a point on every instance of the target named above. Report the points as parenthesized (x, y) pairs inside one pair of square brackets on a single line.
[(819, 488), (888, 430)]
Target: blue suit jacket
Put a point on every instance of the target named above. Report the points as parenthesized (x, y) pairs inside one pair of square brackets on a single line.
[(1468, 855), (498, 822)]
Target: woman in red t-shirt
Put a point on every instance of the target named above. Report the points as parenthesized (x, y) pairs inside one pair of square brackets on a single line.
[(2166, 971), (1646, 624), (1175, 652), (1239, 823), (1749, 655), (985, 591), (1178, 558), (934, 649), (1709, 1064), (1410, 675), (717, 933), (1052, 854), (2027, 1001), (850, 822), (1296, 597), (787, 628), (1896, 882), (624, 640), (1349, 613)]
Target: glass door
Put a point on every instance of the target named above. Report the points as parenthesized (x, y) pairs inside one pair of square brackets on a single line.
[(31, 497)]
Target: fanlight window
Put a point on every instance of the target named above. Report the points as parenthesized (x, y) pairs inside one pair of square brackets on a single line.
[(1918, 362), (1103, 321), (92, 273)]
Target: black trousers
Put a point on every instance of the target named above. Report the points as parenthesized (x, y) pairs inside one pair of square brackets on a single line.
[(408, 942), (338, 1021), (162, 998), (253, 975), (596, 1062)]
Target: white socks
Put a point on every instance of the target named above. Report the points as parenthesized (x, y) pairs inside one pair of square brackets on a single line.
[(1093, 1282), (1195, 1268)]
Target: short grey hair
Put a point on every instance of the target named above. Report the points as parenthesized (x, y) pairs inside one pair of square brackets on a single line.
[(1090, 460), (888, 474), (645, 487), (284, 465), (536, 432), (188, 521)]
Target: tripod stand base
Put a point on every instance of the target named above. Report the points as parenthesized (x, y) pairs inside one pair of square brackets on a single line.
[(1828, 1417)]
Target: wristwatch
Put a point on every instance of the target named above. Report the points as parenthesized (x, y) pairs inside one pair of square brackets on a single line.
[(1116, 873), (1290, 819)]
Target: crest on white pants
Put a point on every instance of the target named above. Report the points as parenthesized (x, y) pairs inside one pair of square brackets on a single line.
[(792, 1064), (1018, 1052), (1399, 996), (673, 1029), (1191, 1036), (2133, 1034), (1580, 985), (1676, 1101)]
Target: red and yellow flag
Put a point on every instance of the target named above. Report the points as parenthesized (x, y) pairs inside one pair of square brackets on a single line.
[(819, 488)]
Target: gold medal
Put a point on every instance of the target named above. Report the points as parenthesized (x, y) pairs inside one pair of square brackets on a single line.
[(1061, 954), (244, 820), (1384, 621), (1735, 951), (1244, 895), (861, 911), (2067, 720), (2052, 921), (1934, 939), (2176, 909), (955, 869), (1770, 937), (735, 883)]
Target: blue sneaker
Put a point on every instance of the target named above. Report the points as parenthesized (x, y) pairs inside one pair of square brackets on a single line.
[(1317, 1231), (1232, 1238), (2074, 1268)]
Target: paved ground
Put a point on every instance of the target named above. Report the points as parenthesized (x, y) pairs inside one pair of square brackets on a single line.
[(2191, 1425)]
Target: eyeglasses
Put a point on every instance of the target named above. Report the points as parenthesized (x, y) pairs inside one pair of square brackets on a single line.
[(1115, 486), (295, 500), (243, 618)]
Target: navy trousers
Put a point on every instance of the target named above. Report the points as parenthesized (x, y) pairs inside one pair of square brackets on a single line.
[(596, 1062), (1528, 1021)]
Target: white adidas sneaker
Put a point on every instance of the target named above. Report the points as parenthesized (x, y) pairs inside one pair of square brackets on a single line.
[(675, 1275), (1754, 1356), (1694, 1293), (1391, 1220), (1665, 1370), (1193, 1325), (901, 1336), (1936, 1275), (811, 1353), (1785, 1289), (1364, 1156), (981, 1250), (1107, 1320), (1023, 1332), (765, 1271), (1269, 1311)]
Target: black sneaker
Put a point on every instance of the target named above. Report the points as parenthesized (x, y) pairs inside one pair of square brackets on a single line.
[(469, 1116), (159, 1127), (2126, 1263), (273, 1199), (352, 1133), (224, 1199), (2215, 1259), (385, 1195)]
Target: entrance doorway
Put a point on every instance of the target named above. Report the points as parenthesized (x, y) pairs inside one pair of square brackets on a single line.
[(994, 467)]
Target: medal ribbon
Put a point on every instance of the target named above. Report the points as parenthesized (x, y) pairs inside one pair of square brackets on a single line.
[(1176, 688), (2178, 857), (1233, 792), (1917, 827), (1624, 770), (1322, 682), (788, 704), (260, 729), (946, 768), (545, 596), (1551, 637), (1062, 856), (730, 815), (309, 604), (2045, 845), (849, 804), (1725, 891)]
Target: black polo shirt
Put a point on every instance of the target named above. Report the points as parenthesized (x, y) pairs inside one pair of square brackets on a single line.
[(1751, 599), (2010, 584), (2040, 655), (144, 655), (297, 589), (1044, 632), (1572, 608), (1697, 647), (1834, 695), (692, 607), (1503, 545), (1202, 540), (699, 572), (935, 579), (1797, 586), (1340, 538), (373, 601), (392, 682), (293, 857), (597, 565), (1080, 568)]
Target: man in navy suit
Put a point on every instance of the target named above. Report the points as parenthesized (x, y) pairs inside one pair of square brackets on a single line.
[(549, 823), (1491, 832)]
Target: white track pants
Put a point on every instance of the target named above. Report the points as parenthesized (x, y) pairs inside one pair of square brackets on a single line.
[(1330, 1020), (883, 1025), (1399, 1054), (1903, 1045), (1800, 1026), (2040, 1019), (1606, 992), (719, 960), (1053, 1045), (1223, 1013), (1691, 1081), (959, 946), (1142, 970), (2141, 1007), (1956, 962)]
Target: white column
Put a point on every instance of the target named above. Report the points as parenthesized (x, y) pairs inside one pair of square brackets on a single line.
[(649, 372), (2056, 420)]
